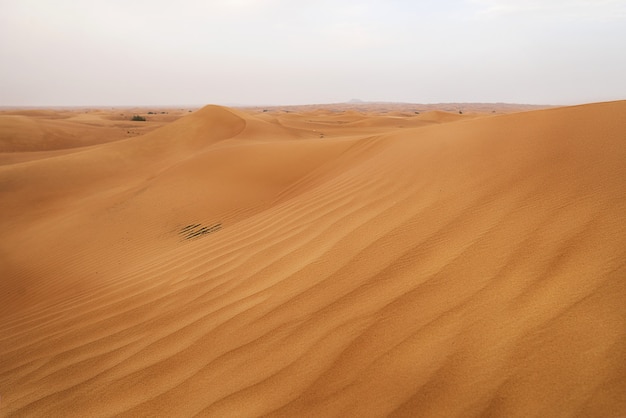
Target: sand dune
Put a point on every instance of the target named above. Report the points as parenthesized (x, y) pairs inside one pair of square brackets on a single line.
[(316, 263)]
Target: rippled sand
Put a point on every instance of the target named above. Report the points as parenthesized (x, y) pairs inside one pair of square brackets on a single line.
[(314, 263)]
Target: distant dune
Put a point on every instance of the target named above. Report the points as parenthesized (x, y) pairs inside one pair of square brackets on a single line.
[(310, 262)]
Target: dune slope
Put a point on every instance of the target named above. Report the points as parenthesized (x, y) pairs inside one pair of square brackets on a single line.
[(233, 265)]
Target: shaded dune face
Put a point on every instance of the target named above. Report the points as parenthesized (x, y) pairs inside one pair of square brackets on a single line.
[(238, 264)]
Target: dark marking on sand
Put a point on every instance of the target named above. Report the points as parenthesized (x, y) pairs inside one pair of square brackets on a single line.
[(192, 231)]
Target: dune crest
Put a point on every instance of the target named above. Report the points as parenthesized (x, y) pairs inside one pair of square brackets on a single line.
[(237, 263)]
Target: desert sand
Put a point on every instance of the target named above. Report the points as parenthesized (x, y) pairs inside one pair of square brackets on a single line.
[(314, 261)]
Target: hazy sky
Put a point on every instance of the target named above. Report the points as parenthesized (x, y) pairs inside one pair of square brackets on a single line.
[(136, 52)]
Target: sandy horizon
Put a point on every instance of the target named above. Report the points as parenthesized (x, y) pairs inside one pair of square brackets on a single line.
[(357, 259)]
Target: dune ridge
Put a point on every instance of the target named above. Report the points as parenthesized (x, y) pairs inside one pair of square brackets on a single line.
[(472, 266)]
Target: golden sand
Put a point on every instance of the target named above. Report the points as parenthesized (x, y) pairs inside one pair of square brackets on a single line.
[(314, 263)]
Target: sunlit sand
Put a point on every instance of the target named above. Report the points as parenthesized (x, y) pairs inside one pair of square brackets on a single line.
[(314, 261)]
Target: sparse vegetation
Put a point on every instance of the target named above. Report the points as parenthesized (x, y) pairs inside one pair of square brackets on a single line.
[(138, 118), (195, 230)]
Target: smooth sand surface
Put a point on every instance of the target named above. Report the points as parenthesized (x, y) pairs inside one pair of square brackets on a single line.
[(311, 262)]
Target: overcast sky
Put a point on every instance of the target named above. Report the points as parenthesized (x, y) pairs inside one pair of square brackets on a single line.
[(279, 52)]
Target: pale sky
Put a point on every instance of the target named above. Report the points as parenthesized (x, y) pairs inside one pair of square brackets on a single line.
[(280, 52)]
